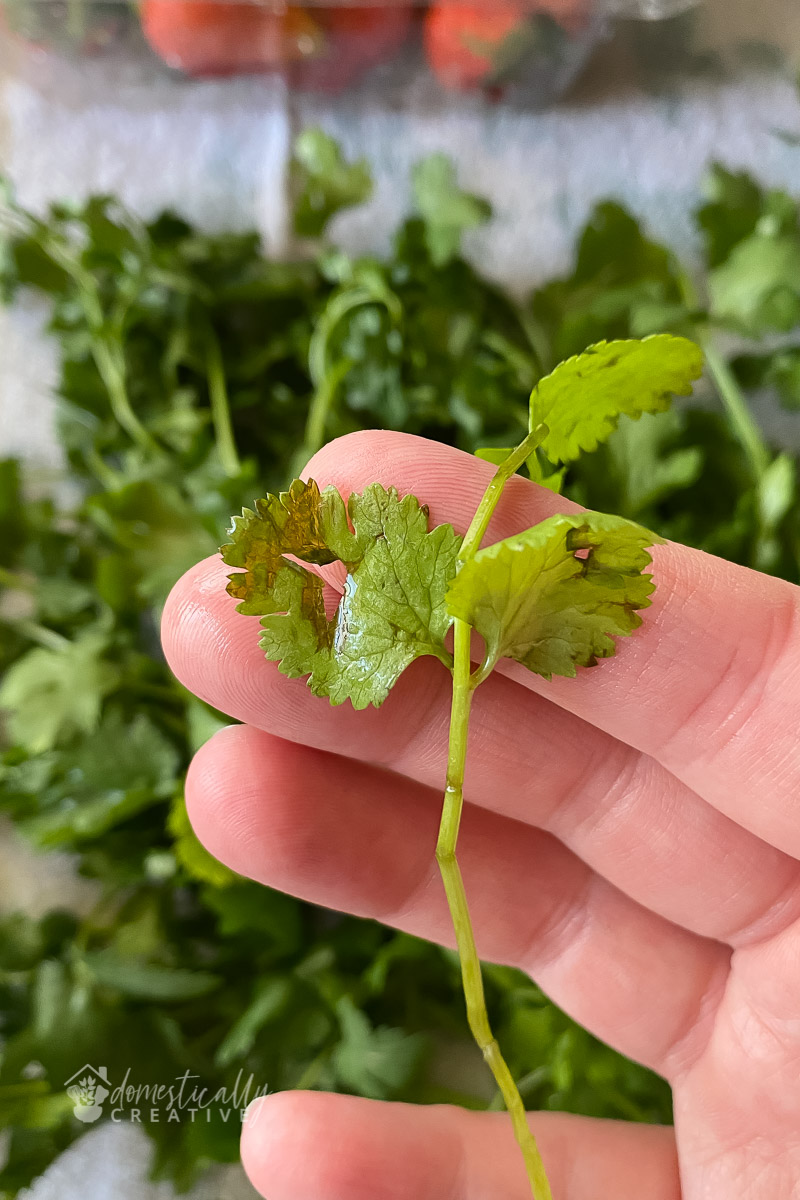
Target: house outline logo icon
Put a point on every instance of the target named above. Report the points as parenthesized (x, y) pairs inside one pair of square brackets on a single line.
[(87, 1089)]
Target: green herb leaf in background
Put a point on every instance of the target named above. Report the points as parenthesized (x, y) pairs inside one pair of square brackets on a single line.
[(447, 211), (324, 182)]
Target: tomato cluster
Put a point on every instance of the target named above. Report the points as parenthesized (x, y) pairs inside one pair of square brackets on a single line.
[(467, 44)]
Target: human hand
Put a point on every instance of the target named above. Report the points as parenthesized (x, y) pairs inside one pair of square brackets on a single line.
[(631, 839)]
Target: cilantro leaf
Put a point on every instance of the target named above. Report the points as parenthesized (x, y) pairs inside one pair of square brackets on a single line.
[(534, 600), (582, 400), (123, 768), (447, 211), (148, 980), (623, 284), (270, 1000), (159, 532), (393, 608), (324, 182), (640, 465), (757, 288), (373, 1062), (733, 205), (53, 693)]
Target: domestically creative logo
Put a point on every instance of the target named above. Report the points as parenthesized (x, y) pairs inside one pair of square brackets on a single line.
[(184, 1098), (87, 1089)]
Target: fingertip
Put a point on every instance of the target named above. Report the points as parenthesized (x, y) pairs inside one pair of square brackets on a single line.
[(228, 788), (333, 1147), (211, 648)]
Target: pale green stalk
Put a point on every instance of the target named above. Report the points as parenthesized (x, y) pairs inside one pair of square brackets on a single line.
[(464, 684), (220, 408)]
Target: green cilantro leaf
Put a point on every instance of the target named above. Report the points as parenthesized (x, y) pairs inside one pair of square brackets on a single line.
[(582, 400), (641, 464), (324, 182), (123, 768), (757, 288), (447, 211), (733, 205), (147, 980), (158, 531), (53, 693), (270, 1000), (537, 598), (373, 1062), (393, 608)]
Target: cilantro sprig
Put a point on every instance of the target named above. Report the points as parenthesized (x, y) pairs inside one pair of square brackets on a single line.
[(552, 598)]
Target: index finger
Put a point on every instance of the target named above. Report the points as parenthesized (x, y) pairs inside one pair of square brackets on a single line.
[(709, 687)]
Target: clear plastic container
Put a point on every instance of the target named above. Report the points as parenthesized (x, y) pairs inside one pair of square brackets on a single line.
[(531, 48)]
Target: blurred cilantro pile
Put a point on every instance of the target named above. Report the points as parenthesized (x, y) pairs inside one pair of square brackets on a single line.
[(195, 375)]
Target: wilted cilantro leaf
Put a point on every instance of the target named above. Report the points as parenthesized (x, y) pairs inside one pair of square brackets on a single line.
[(447, 211), (324, 182), (538, 598), (392, 610), (583, 399), (53, 693)]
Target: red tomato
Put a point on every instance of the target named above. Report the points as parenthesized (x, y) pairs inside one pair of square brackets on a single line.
[(204, 38), (467, 43), (353, 40)]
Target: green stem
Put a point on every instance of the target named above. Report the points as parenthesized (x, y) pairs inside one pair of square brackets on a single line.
[(320, 409), (112, 374), (110, 365), (491, 498), (15, 582), (311, 1072), (477, 1015), (736, 406), (732, 396), (532, 1080), (108, 478), (42, 635), (220, 408)]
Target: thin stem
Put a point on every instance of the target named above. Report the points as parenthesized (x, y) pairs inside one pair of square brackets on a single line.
[(727, 385), (220, 408), (109, 366), (320, 408), (42, 635), (104, 474), (736, 406), (15, 582), (477, 1015), (488, 504), (112, 374)]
